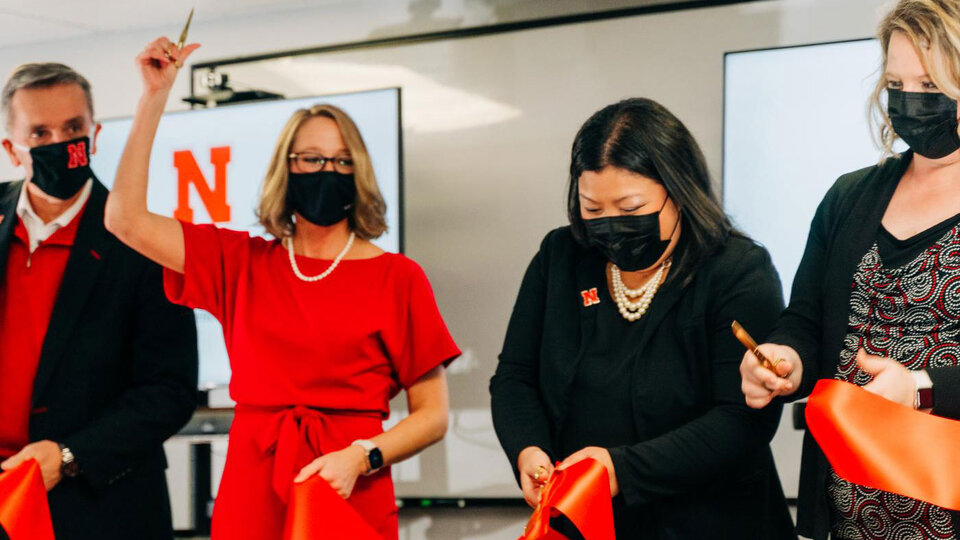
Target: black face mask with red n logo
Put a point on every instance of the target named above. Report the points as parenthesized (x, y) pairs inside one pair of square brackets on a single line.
[(61, 169)]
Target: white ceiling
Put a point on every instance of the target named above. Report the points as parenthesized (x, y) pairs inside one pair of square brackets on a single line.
[(32, 21), (23, 22)]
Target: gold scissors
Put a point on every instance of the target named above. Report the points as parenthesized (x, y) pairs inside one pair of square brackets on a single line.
[(182, 41), (183, 35), (744, 338)]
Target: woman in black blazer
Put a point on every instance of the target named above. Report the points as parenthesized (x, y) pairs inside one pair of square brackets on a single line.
[(876, 299), (644, 380)]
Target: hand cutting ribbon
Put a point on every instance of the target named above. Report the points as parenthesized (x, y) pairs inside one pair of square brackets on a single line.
[(872, 441), (581, 493), (24, 512)]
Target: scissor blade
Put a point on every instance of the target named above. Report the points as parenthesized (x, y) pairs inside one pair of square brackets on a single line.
[(183, 35)]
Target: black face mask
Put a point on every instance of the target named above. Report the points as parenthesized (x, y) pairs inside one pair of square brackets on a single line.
[(61, 169), (323, 197), (926, 121), (630, 242)]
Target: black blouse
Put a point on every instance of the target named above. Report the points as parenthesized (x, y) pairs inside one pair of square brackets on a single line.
[(896, 252), (600, 397)]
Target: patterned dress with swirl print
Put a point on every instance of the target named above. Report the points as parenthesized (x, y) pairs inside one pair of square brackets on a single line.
[(909, 312)]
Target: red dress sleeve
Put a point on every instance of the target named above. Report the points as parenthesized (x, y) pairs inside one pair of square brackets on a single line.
[(422, 341), (213, 260)]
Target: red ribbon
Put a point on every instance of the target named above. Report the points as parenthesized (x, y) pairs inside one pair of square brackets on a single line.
[(316, 511), (24, 513), (877, 443), (580, 492)]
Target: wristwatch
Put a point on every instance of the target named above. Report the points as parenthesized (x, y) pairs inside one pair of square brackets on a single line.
[(374, 456), (924, 399), (68, 464)]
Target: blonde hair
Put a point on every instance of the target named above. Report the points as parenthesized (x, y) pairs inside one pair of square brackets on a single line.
[(367, 217), (933, 27)]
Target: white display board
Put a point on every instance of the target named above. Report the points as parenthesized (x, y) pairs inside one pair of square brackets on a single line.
[(795, 119), (212, 163)]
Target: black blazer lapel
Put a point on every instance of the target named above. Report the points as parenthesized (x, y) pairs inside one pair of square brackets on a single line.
[(855, 234), (9, 194), (858, 228), (90, 250), (662, 303), (590, 274)]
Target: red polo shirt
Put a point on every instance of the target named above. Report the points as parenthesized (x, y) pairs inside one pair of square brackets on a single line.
[(27, 294)]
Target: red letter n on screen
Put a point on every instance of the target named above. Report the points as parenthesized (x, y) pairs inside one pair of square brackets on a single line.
[(188, 172)]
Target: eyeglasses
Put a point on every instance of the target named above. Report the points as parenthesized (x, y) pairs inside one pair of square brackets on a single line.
[(313, 162)]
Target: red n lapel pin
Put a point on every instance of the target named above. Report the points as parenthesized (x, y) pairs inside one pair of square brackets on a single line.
[(590, 297)]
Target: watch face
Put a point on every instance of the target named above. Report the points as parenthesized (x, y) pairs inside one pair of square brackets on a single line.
[(925, 398), (376, 459), (71, 469)]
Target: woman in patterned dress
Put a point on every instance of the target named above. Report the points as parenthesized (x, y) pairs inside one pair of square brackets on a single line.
[(876, 299)]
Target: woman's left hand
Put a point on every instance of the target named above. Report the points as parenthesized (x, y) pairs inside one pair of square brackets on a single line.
[(340, 469), (890, 379), (599, 454)]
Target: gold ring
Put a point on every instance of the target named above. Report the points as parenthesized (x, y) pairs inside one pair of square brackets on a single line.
[(167, 49), (787, 374), (177, 64), (540, 470)]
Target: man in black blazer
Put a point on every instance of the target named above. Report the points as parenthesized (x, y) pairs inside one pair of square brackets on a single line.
[(97, 368)]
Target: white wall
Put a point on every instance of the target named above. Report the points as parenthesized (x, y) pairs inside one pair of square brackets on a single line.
[(678, 54), (695, 65)]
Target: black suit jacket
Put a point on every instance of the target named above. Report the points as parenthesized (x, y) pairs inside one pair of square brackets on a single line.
[(844, 227), (117, 376), (702, 465)]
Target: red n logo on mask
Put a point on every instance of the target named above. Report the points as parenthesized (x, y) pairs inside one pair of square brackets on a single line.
[(77, 154), (188, 172)]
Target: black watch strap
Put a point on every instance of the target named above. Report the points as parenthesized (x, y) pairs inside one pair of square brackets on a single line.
[(374, 455)]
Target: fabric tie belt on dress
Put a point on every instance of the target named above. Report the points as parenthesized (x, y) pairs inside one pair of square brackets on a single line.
[(294, 436)]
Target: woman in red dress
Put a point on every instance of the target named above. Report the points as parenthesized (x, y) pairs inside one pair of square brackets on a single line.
[(322, 327)]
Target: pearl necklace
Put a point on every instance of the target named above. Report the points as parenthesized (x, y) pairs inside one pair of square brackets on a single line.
[(632, 310), (331, 268)]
